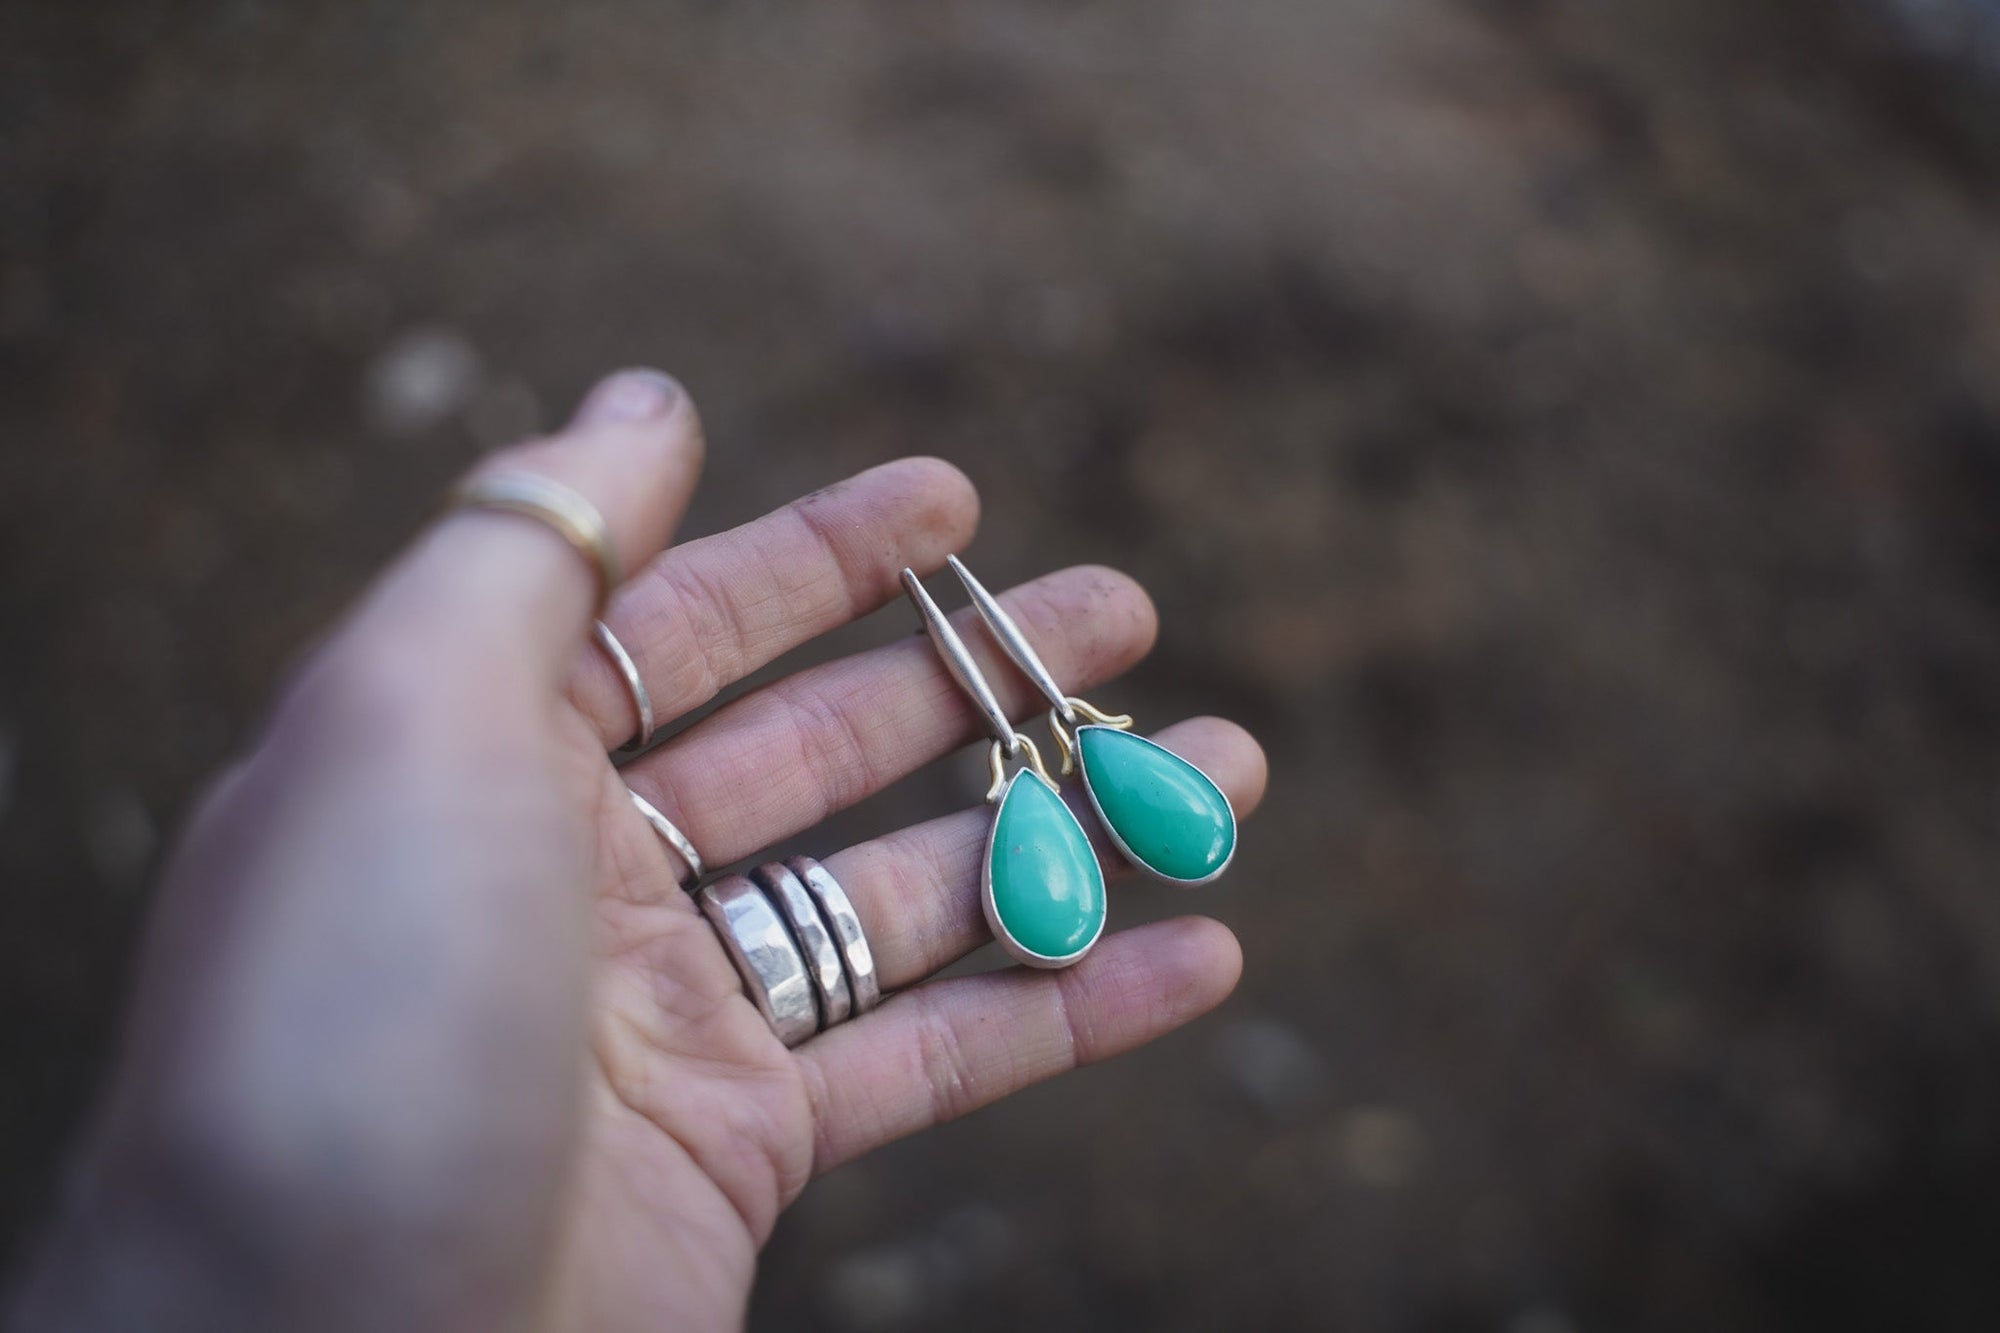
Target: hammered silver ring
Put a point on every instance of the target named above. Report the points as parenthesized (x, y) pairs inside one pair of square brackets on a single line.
[(797, 944)]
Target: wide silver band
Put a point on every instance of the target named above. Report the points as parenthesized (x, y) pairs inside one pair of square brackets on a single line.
[(635, 685), (814, 970), (814, 939), (855, 956), (674, 838), (761, 945)]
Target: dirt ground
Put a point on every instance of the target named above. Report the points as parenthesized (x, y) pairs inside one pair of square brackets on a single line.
[(1568, 433)]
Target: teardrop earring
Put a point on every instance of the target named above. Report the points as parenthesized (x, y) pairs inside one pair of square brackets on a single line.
[(1166, 816), (1040, 884)]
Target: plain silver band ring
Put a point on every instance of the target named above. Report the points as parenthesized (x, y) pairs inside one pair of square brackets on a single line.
[(838, 911), (635, 685), (758, 942), (673, 837)]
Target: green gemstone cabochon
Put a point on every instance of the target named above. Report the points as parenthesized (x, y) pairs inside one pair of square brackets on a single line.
[(1047, 890), (1167, 814)]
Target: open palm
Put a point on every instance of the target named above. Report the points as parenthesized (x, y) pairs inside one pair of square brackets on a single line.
[(377, 982)]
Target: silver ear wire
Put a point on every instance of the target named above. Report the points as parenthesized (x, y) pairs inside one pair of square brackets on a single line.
[(1063, 708), (1014, 643), (959, 662)]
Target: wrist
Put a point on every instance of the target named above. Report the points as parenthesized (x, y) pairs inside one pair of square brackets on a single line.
[(125, 1253)]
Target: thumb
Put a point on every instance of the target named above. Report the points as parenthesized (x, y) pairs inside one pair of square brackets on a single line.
[(490, 587)]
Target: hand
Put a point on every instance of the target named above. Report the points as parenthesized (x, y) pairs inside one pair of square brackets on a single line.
[(426, 1035)]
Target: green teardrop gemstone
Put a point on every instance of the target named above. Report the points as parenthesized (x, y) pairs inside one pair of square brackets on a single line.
[(1044, 888), (1166, 815)]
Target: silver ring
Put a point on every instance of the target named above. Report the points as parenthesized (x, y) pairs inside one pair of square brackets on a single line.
[(575, 519), (815, 941), (758, 942), (673, 837), (845, 924), (642, 702), (797, 945)]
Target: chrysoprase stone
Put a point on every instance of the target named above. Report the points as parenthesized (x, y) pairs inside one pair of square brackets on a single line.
[(1169, 817), (1048, 890)]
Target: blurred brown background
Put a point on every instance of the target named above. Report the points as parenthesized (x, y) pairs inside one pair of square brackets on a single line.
[(1567, 431)]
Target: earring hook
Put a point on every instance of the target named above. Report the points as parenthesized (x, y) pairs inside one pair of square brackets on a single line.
[(1014, 642), (1063, 708), (958, 661)]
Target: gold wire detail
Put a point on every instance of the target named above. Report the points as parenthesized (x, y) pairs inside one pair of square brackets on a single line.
[(996, 764), (1066, 740), (547, 501)]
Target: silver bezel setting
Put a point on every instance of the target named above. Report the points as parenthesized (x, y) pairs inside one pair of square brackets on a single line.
[(1083, 769), (1022, 953)]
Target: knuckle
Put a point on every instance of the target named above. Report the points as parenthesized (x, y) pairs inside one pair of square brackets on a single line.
[(855, 572), (1072, 1015), (826, 1149), (946, 1073), (832, 748), (696, 616)]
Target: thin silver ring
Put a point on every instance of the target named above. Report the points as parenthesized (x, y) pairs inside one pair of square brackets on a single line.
[(635, 685), (766, 956), (673, 837), (840, 917), (814, 938)]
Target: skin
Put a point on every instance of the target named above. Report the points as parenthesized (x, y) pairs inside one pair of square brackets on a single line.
[(426, 1036)]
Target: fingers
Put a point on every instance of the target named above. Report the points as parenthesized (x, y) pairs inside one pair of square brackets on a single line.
[(917, 890), (950, 1047), (498, 592), (779, 760), (706, 614)]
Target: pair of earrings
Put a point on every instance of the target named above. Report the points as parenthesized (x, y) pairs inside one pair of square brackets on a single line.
[(1041, 886)]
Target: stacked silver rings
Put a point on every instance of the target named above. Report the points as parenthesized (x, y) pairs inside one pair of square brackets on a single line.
[(787, 926), (797, 943)]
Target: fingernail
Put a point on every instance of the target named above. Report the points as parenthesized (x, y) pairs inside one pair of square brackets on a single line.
[(630, 395)]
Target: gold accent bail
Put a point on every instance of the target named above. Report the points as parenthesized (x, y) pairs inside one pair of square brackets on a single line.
[(996, 764), (1066, 740)]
